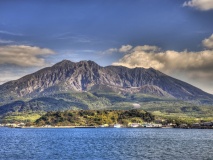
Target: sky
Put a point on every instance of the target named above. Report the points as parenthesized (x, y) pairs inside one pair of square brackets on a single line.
[(172, 36)]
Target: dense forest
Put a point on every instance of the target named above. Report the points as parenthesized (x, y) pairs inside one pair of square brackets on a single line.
[(94, 117)]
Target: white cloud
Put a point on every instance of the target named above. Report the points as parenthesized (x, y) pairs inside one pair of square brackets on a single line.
[(110, 51), (129, 48), (147, 48), (125, 48), (23, 55), (208, 42), (122, 49), (113, 50), (168, 60), (203, 5)]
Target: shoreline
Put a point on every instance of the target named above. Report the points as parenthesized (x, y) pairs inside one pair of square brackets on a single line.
[(86, 127)]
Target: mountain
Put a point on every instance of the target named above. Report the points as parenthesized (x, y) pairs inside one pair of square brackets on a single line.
[(87, 76)]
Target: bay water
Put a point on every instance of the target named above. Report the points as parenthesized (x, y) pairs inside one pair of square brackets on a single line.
[(106, 143)]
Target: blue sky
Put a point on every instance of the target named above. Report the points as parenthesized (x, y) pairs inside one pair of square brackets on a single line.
[(39, 33)]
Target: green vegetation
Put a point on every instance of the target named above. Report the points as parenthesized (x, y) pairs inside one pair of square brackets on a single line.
[(94, 118), (180, 118), (179, 112), (16, 117), (171, 110)]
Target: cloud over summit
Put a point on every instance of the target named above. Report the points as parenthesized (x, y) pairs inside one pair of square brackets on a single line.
[(168, 60), (191, 66)]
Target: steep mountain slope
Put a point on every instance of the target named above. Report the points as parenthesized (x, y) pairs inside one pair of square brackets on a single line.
[(84, 75), (154, 90)]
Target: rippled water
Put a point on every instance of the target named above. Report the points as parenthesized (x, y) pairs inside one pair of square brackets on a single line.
[(106, 143)]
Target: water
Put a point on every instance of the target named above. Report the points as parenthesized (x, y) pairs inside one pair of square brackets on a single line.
[(106, 143)]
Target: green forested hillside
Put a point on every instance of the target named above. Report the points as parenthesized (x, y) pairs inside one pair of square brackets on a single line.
[(96, 100), (94, 118)]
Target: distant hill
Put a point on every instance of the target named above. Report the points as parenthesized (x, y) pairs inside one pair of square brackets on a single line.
[(86, 85), (94, 118)]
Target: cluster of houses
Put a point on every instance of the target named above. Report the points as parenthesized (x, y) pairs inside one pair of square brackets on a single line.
[(135, 125), (13, 125), (146, 125), (204, 125)]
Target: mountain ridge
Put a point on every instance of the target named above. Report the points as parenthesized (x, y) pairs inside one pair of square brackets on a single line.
[(82, 76)]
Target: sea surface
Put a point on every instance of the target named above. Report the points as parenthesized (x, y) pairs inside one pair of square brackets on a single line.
[(106, 143)]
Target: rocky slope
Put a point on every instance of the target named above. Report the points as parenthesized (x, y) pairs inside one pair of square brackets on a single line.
[(84, 75)]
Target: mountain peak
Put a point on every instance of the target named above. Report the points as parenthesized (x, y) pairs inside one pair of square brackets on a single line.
[(64, 62), (83, 62), (88, 62)]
